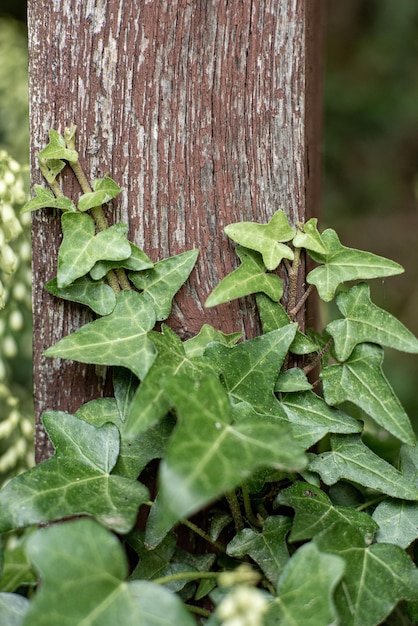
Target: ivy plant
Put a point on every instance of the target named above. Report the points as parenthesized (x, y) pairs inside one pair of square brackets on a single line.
[(257, 445)]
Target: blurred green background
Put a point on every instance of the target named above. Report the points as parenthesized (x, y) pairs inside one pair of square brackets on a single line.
[(370, 153)]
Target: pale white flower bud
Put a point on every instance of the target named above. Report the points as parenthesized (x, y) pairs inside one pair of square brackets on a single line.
[(244, 606), (9, 178), (9, 347), (15, 320), (8, 260)]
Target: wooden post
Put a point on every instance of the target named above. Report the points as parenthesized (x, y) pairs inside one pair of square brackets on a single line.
[(206, 112)]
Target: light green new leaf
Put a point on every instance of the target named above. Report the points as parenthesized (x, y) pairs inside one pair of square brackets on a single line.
[(314, 512), (351, 460), (209, 455), (120, 338), (17, 570), (45, 199), (96, 295), (54, 168), (250, 369), (306, 588), (273, 316), (138, 261), (309, 237), (267, 548), (56, 149), (249, 278), (151, 403), (376, 577), (81, 248), (163, 281), (265, 238), (208, 334), (84, 570), (75, 481), (12, 609), (342, 264), (105, 189), (311, 418), (361, 381), (366, 322)]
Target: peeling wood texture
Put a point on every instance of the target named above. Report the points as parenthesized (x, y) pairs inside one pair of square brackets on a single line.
[(206, 112)]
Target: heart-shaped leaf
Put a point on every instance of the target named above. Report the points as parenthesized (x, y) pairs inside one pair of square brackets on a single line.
[(56, 149), (120, 338), (96, 295), (365, 322), (105, 189), (138, 261), (162, 282), (309, 237), (45, 199), (342, 264), (81, 248), (265, 238), (361, 381), (249, 278), (75, 481), (83, 561)]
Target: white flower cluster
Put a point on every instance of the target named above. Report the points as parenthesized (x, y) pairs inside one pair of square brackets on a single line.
[(243, 606), (16, 429)]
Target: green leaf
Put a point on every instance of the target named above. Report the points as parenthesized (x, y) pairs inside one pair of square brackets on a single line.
[(81, 248), (56, 149), (96, 295), (376, 577), (137, 261), (351, 460), (361, 381), (311, 418), (208, 334), (314, 512), (366, 322), (105, 189), (12, 609), (151, 403), (265, 238), (291, 380), (250, 369), (273, 316), (306, 588), (55, 167), (268, 548), (342, 264), (249, 278), (45, 199), (83, 569), (209, 455), (17, 571), (163, 281), (120, 338), (75, 481), (309, 237)]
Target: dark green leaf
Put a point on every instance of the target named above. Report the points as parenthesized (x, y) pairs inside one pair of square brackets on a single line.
[(105, 189), (196, 345), (56, 149), (137, 261), (96, 295), (291, 380), (17, 570), (45, 199)]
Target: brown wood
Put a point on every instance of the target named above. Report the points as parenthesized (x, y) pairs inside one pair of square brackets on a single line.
[(206, 112)]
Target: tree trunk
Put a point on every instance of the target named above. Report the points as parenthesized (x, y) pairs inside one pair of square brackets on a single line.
[(206, 112)]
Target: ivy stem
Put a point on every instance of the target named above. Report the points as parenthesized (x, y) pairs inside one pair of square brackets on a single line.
[(54, 185), (365, 505), (184, 576), (293, 271), (311, 366), (197, 610), (204, 535), (233, 504), (293, 312), (247, 507)]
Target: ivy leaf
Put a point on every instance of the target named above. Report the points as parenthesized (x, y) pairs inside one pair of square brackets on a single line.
[(361, 381), (75, 481), (137, 261), (56, 149), (81, 248), (250, 369), (45, 199), (250, 277), (376, 577), (208, 334), (366, 322), (209, 455), (163, 281), (268, 548), (13, 608), (151, 403), (291, 380), (105, 189), (314, 512), (309, 237), (17, 571), (311, 418), (54, 168), (306, 588), (83, 561), (351, 460), (120, 338), (96, 295), (265, 238), (342, 264)]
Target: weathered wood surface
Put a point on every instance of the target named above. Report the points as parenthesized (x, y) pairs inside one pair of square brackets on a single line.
[(206, 112)]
